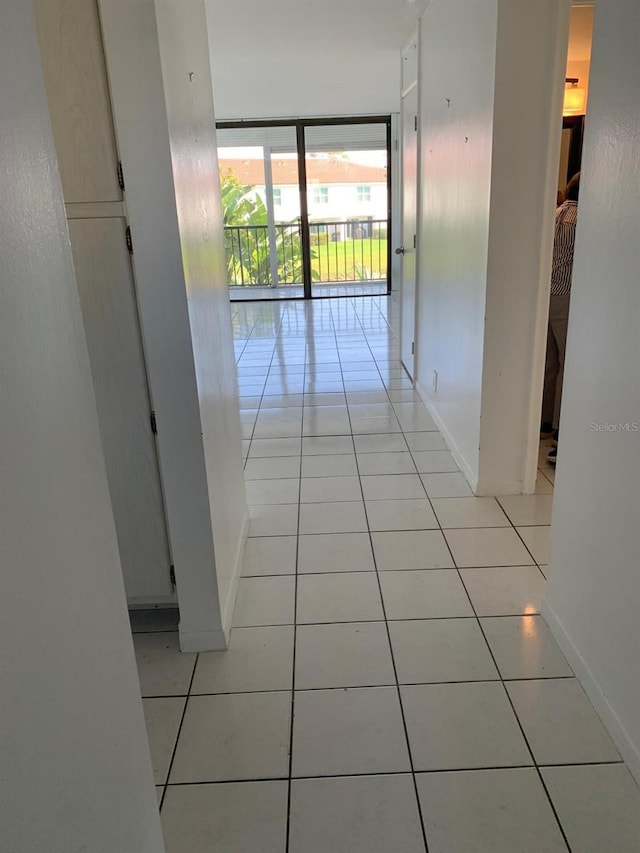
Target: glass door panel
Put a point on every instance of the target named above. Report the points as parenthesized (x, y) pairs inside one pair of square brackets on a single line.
[(261, 212), (348, 208)]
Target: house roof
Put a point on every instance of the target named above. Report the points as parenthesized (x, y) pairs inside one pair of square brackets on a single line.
[(321, 170)]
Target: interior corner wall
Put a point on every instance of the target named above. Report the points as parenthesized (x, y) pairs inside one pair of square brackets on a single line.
[(457, 59), (75, 773), (524, 166), (186, 71), (594, 583)]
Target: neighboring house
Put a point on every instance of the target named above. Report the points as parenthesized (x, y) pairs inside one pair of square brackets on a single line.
[(338, 189)]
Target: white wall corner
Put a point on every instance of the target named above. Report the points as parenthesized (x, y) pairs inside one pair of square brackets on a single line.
[(524, 155), (203, 641), (165, 125), (186, 73)]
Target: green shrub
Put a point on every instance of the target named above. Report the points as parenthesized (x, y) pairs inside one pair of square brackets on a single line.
[(319, 238)]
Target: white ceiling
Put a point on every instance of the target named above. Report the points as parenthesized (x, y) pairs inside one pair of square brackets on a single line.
[(381, 24), (386, 24)]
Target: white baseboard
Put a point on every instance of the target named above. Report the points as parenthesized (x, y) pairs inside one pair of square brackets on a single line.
[(461, 462), (203, 641), (500, 487), (218, 639), (159, 603), (629, 751), (507, 487), (230, 603)]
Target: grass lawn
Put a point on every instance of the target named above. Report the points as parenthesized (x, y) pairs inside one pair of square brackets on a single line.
[(350, 260)]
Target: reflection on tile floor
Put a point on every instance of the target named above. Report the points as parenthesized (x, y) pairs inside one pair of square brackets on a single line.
[(388, 613)]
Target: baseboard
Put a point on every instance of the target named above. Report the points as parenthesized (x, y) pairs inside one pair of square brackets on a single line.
[(157, 602), (628, 750), (218, 640), (230, 603), (203, 641), (501, 487), (461, 462)]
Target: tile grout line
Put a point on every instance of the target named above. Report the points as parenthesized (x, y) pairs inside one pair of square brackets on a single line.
[(295, 628), (561, 828), (510, 701), (263, 391), (374, 686), (386, 621), (393, 662), (179, 732), (386, 773), (504, 687)]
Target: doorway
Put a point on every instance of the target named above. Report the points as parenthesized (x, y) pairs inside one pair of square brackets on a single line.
[(306, 207), (546, 447)]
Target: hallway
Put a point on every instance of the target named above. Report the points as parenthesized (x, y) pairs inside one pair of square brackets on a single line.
[(390, 613)]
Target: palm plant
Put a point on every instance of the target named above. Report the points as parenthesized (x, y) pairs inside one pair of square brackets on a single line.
[(246, 219)]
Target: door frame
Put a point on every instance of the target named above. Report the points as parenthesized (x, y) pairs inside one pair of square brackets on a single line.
[(300, 124), (539, 324), (413, 88)]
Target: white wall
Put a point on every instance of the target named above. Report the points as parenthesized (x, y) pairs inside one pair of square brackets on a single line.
[(489, 153), (360, 82), (75, 772), (183, 396), (524, 173), (580, 36), (186, 72), (302, 64), (458, 45), (594, 588)]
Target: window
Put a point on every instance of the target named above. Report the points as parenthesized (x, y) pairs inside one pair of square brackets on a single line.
[(364, 193), (321, 195), (277, 196)]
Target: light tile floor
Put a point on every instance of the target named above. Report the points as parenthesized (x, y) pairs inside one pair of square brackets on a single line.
[(388, 613)]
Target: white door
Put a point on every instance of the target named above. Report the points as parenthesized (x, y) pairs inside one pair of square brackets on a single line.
[(82, 121), (110, 315), (409, 227)]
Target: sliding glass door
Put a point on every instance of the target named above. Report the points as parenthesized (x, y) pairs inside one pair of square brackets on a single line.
[(306, 207), (347, 179), (261, 212)]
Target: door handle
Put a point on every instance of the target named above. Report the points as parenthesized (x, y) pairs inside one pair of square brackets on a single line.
[(400, 250)]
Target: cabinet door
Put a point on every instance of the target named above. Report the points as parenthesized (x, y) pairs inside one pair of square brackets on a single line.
[(76, 82), (109, 310)]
